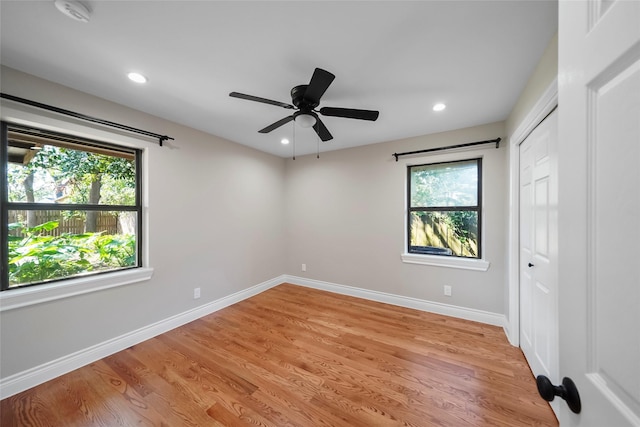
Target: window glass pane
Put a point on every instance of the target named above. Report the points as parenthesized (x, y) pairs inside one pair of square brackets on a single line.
[(444, 233), (445, 184), (45, 170), (50, 245)]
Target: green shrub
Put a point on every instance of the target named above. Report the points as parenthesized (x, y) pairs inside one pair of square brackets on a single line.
[(39, 256)]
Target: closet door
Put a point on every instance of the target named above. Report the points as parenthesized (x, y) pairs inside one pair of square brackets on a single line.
[(538, 254)]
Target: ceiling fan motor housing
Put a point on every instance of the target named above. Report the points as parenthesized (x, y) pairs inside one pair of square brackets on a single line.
[(297, 96)]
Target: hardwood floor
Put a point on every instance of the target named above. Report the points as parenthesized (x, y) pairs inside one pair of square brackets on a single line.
[(294, 356)]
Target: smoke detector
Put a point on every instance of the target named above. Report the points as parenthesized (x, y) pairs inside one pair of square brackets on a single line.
[(73, 9)]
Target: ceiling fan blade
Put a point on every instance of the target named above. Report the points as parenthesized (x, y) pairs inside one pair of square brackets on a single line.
[(258, 99), (350, 113), (322, 130), (276, 125), (318, 85)]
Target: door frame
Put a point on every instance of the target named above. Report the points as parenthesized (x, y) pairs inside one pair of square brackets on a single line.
[(545, 104)]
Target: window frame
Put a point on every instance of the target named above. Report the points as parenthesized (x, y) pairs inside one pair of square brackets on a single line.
[(416, 257), (82, 282)]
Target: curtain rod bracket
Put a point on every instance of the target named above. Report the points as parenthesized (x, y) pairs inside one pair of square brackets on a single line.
[(163, 138)]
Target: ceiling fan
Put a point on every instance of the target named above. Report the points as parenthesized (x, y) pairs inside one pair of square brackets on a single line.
[(305, 99)]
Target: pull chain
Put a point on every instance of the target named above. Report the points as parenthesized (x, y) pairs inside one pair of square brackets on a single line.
[(294, 140)]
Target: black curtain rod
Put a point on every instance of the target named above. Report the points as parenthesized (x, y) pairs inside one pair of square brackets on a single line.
[(450, 147), (161, 138)]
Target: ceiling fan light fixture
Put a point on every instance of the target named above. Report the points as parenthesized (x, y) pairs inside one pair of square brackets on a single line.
[(284, 141), (439, 107), (305, 120)]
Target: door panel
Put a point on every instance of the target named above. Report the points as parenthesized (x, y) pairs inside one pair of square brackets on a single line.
[(526, 249), (541, 203), (543, 321), (614, 276)]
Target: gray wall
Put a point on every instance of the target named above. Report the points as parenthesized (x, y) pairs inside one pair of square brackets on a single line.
[(214, 222), (345, 219), (544, 74)]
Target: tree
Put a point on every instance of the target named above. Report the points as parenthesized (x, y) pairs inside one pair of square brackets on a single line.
[(21, 179), (86, 171), (28, 190)]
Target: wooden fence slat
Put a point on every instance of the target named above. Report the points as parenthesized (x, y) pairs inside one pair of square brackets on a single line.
[(106, 222)]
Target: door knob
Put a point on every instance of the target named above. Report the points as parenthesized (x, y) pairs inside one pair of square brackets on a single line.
[(567, 391), (530, 265)]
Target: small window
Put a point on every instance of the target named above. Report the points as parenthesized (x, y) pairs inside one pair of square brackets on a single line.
[(444, 215), (71, 207)]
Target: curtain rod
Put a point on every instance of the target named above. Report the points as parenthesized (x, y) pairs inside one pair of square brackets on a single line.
[(450, 147), (161, 138)]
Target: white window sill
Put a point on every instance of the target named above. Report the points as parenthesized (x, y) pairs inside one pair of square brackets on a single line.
[(446, 261), (23, 297)]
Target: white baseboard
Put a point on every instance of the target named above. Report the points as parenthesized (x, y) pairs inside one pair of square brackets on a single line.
[(481, 316), (32, 377)]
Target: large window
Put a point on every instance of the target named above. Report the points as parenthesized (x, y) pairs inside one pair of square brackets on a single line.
[(70, 207), (444, 215)]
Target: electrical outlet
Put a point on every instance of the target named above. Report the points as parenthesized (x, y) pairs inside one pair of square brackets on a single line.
[(304, 267), (447, 290), (196, 293)]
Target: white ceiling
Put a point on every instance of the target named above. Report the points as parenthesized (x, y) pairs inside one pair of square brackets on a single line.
[(393, 56)]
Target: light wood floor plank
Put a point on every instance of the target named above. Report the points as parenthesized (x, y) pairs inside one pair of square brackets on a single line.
[(293, 356)]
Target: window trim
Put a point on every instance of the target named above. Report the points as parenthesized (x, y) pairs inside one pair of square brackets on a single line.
[(4, 210), (477, 208), (36, 293), (476, 264), (45, 292)]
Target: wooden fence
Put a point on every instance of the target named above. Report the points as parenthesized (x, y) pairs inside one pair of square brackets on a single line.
[(106, 221)]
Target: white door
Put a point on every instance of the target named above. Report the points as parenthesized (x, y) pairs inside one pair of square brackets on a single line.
[(538, 249), (599, 209)]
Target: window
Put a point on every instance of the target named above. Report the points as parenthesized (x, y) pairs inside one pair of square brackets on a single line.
[(71, 207), (444, 215)]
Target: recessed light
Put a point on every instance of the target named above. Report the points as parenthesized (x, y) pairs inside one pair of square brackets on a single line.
[(137, 77), (284, 141), (439, 107)]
